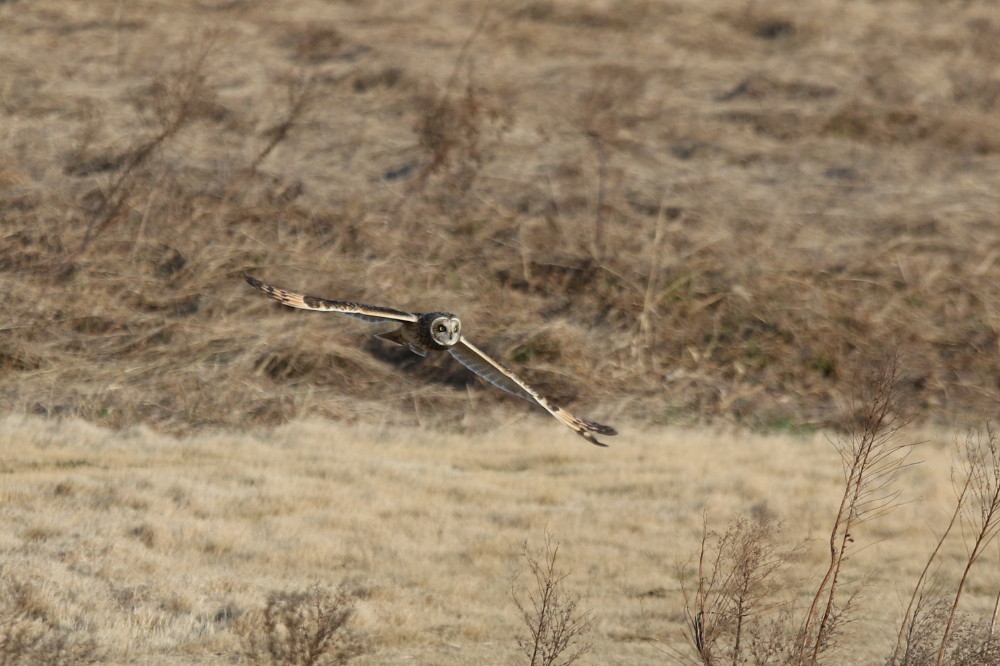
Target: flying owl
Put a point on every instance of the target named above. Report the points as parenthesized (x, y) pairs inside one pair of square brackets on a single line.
[(438, 332)]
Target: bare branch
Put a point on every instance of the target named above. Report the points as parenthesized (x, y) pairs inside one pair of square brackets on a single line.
[(871, 459), (554, 623), (982, 513)]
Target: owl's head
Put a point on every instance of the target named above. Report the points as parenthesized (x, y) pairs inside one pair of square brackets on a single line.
[(446, 329)]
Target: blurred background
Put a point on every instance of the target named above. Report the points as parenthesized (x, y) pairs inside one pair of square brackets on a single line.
[(654, 211)]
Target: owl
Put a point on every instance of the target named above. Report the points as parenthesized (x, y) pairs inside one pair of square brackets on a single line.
[(435, 332)]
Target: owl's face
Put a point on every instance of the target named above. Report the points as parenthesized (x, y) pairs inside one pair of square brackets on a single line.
[(446, 330)]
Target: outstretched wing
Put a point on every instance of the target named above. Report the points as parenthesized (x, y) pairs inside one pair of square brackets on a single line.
[(370, 313), (495, 373)]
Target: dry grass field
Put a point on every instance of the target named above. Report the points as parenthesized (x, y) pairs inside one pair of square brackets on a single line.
[(696, 221), (157, 548), (673, 211)]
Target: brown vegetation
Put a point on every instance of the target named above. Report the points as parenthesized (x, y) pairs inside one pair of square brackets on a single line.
[(556, 626), (30, 635), (303, 628), (740, 614), (131, 546), (661, 211)]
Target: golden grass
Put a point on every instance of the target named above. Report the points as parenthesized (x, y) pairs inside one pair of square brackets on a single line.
[(657, 212), (154, 546)]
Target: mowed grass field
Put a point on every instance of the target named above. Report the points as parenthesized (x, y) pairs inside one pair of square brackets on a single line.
[(699, 222), (155, 548)]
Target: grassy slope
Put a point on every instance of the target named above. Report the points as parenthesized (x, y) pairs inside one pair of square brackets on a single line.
[(660, 211), (140, 540)]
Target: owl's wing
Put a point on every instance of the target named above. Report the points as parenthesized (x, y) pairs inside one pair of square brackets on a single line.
[(495, 373), (370, 313)]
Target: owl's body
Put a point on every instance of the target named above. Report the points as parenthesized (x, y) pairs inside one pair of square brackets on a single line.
[(437, 332), (433, 331)]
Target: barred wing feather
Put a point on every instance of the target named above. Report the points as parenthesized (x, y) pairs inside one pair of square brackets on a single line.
[(372, 314), (497, 374)]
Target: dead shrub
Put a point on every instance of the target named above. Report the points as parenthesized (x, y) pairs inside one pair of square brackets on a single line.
[(872, 457), (555, 625), (932, 629), (728, 612), (734, 614), (304, 628), (173, 100), (453, 127), (969, 642)]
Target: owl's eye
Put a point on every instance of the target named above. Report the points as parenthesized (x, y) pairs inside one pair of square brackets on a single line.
[(440, 328)]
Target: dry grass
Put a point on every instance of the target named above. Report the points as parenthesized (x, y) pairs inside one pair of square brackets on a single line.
[(156, 549), (737, 613), (660, 211)]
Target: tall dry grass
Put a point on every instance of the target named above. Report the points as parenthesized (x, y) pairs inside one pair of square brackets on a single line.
[(716, 214), (935, 620), (740, 612)]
